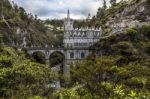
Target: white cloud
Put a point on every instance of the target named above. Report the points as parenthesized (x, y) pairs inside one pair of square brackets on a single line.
[(58, 8)]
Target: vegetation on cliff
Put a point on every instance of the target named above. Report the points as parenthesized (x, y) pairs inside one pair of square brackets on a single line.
[(119, 67), (13, 17), (20, 77)]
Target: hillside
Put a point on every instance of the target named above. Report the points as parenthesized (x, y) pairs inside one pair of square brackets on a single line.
[(119, 16), (21, 77), (15, 24), (127, 15), (119, 68)]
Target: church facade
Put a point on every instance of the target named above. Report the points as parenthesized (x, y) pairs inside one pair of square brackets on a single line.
[(76, 45), (80, 39)]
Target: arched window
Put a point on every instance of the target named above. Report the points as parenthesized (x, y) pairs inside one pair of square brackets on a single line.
[(67, 45), (71, 34), (71, 55), (98, 33), (82, 55), (95, 34), (79, 34), (85, 35)]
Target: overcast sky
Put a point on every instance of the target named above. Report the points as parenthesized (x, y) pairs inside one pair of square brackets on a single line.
[(57, 9)]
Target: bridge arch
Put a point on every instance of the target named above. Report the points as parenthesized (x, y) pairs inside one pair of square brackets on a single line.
[(39, 56), (57, 61), (56, 57)]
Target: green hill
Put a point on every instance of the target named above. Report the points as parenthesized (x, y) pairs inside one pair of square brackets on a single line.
[(119, 68), (14, 17)]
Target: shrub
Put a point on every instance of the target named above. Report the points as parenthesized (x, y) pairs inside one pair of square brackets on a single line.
[(148, 1), (24, 78), (132, 32), (146, 31)]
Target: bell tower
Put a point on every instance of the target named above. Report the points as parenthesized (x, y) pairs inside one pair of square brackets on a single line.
[(68, 23)]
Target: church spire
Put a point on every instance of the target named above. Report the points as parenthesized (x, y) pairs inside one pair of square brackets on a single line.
[(68, 14)]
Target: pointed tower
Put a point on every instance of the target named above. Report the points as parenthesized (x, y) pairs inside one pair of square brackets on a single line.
[(68, 14), (68, 28), (68, 23)]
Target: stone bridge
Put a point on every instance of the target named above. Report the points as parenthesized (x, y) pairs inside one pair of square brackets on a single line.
[(69, 53), (72, 55), (46, 51)]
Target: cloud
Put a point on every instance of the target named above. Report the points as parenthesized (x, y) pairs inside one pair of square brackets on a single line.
[(58, 8)]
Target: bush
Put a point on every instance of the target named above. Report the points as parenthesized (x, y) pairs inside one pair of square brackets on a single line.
[(102, 75), (146, 31), (148, 1), (132, 32), (24, 78)]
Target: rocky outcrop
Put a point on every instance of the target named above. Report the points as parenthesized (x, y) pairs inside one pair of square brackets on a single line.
[(133, 15)]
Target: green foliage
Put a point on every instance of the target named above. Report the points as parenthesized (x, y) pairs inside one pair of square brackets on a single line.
[(36, 97), (112, 1), (104, 78), (148, 1), (22, 77), (74, 94), (132, 32), (133, 44), (67, 94), (146, 31), (119, 91), (122, 69), (38, 33)]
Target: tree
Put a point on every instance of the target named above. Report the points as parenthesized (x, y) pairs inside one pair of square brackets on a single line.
[(148, 1), (112, 2), (104, 4), (22, 78)]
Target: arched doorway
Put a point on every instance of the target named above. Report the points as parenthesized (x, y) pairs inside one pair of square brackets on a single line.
[(39, 57)]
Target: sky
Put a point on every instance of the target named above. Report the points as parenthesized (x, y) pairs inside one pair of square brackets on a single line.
[(57, 9)]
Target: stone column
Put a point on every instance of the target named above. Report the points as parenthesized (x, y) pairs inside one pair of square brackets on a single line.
[(47, 58), (57, 84), (66, 68), (66, 71)]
